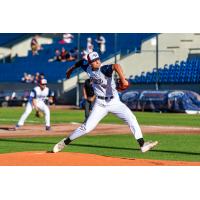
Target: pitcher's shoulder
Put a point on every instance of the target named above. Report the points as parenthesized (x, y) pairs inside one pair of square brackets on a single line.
[(107, 70)]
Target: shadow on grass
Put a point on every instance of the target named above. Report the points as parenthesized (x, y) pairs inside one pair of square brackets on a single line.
[(101, 147), (134, 149)]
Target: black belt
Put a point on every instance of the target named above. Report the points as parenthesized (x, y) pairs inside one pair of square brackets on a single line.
[(105, 98)]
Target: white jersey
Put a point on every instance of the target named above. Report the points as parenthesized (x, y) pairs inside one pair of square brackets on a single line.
[(40, 95), (102, 80)]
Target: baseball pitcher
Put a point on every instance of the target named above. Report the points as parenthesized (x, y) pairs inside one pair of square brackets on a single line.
[(107, 100), (39, 98)]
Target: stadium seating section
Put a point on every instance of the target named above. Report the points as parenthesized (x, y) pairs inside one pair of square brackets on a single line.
[(10, 38), (181, 72), (54, 71)]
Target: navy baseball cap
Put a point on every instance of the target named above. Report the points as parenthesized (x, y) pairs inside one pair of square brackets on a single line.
[(92, 57)]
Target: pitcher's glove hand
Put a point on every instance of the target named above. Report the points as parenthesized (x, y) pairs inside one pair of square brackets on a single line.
[(39, 114), (120, 86)]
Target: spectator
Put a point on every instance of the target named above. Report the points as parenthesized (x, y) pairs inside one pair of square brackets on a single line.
[(35, 47), (84, 54), (27, 78), (90, 46), (37, 78), (57, 56), (32, 78), (101, 41), (68, 56), (42, 76), (63, 54), (23, 79), (74, 53)]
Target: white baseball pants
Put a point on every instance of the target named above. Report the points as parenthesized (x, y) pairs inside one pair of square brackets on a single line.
[(99, 111), (42, 106)]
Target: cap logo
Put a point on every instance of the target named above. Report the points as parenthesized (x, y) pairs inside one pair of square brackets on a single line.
[(92, 56)]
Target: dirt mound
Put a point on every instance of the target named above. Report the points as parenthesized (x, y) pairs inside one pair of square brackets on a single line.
[(79, 159)]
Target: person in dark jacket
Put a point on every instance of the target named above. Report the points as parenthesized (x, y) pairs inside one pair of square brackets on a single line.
[(89, 96)]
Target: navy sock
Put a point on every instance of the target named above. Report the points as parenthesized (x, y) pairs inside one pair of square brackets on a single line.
[(141, 142), (67, 141)]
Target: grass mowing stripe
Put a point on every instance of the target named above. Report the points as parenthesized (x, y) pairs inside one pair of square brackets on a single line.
[(171, 147), (144, 118)]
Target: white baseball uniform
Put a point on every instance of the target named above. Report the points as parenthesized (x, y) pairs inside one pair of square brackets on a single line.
[(40, 96), (107, 100)]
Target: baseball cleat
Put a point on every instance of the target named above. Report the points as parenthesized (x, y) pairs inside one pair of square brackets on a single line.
[(148, 145), (59, 146), (16, 128), (48, 128)]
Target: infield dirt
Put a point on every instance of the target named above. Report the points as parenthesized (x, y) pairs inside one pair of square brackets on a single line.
[(79, 159)]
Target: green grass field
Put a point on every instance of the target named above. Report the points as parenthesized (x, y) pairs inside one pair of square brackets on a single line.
[(11, 116), (171, 147)]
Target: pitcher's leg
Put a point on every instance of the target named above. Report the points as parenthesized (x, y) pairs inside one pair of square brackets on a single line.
[(26, 113), (124, 113), (98, 112)]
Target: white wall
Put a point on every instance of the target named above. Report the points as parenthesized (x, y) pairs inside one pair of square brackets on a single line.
[(23, 47), (4, 52), (172, 47)]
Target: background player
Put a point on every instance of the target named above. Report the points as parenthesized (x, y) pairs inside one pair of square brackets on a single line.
[(88, 93), (39, 98), (107, 100)]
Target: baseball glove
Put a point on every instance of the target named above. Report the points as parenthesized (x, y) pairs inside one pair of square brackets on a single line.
[(39, 114), (120, 87)]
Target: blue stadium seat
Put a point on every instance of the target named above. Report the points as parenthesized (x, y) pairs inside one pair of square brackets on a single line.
[(181, 72), (126, 43)]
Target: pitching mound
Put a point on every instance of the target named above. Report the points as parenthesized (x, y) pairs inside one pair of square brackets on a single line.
[(79, 159)]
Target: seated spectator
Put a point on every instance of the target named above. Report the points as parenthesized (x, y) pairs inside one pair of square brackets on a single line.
[(90, 46), (63, 54), (23, 79), (69, 56), (57, 56), (35, 47), (74, 53), (27, 78), (101, 41), (42, 76), (84, 54), (89, 49), (37, 77), (32, 78)]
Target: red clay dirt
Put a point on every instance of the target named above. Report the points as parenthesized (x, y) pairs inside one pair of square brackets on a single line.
[(78, 159), (101, 129)]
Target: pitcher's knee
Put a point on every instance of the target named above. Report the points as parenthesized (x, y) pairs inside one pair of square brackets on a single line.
[(46, 112), (86, 128)]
